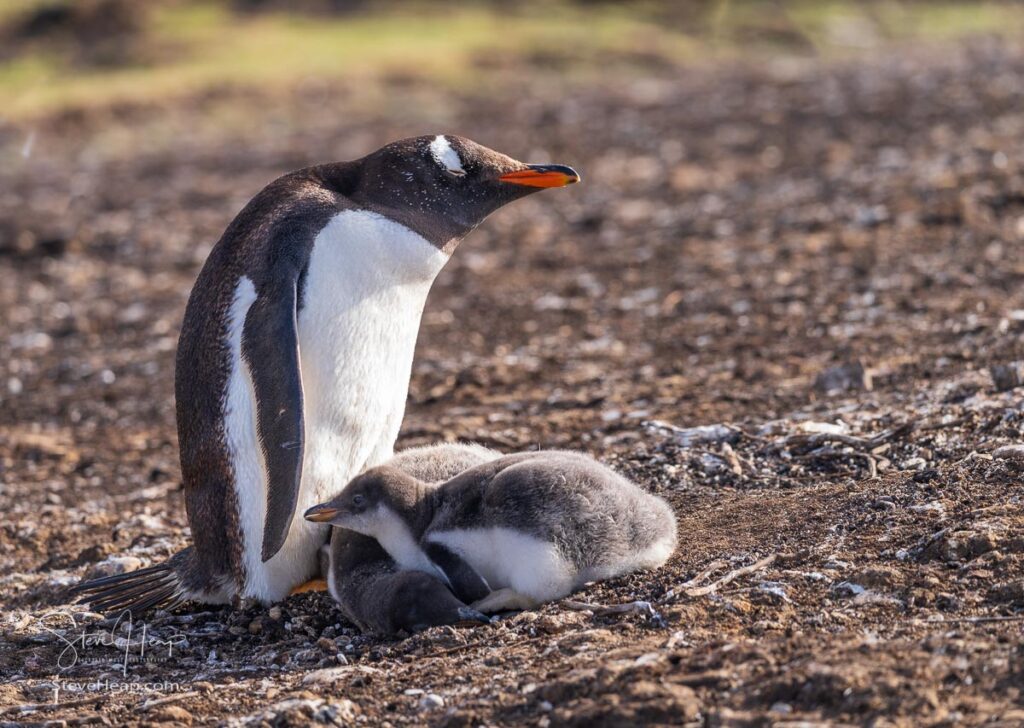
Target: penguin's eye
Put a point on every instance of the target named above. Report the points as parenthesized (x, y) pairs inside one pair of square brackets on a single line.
[(358, 500)]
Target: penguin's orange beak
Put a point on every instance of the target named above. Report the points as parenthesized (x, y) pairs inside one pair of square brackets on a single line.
[(542, 175), (321, 513)]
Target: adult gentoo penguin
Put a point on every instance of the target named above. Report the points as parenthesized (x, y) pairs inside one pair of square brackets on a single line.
[(513, 532), (295, 355)]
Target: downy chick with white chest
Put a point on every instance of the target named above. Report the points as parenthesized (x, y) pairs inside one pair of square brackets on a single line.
[(514, 532)]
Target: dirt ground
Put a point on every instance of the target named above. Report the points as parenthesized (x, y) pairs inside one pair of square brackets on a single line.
[(825, 257)]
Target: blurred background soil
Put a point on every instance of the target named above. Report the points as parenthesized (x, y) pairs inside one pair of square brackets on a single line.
[(800, 225)]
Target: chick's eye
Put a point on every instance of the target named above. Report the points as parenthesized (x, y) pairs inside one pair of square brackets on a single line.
[(358, 500)]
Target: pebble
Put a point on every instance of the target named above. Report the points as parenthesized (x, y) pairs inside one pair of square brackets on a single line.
[(302, 711), (1009, 452), (877, 577), (849, 376), (172, 714), (848, 589), (330, 675), (431, 701), (931, 507), (694, 436), (114, 565), (1007, 376), (824, 428)]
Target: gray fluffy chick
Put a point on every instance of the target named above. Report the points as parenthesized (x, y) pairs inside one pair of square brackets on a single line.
[(512, 532)]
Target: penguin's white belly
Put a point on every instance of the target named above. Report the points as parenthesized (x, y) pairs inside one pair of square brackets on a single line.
[(365, 287), (510, 559)]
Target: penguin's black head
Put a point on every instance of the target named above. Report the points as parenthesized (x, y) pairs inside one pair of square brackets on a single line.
[(444, 186)]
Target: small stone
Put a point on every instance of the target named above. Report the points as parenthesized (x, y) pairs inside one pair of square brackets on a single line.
[(915, 463), (1009, 452), (431, 701), (712, 464), (333, 675), (848, 589), (824, 428), (274, 613), (695, 436), (113, 566), (1011, 591), (849, 376), (981, 543), (305, 709), (931, 508), (256, 626), (1007, 376), (877, 577), (172, 714)]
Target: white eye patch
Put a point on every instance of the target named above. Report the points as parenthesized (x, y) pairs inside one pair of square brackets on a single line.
[(446, 156)]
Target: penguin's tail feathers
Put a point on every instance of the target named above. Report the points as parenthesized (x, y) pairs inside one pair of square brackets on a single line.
[(159, 586)]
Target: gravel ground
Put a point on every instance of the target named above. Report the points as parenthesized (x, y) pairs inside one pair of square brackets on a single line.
[(819, 266)]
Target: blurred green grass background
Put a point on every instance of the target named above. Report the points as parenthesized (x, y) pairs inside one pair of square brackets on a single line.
[(59, 54)]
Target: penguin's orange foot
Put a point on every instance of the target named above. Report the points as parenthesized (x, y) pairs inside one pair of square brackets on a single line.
[(311, 585)]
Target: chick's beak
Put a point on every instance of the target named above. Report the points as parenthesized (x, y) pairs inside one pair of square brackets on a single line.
[(321, 513), (542, 175)]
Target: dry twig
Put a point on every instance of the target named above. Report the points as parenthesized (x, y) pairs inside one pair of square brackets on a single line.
[(731, 576), (708, 571)]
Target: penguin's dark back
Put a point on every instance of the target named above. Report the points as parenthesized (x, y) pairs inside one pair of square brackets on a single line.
[(277, 227)]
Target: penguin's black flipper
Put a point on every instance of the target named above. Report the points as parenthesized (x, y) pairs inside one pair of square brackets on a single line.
[(270, 345), (466, 583)]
